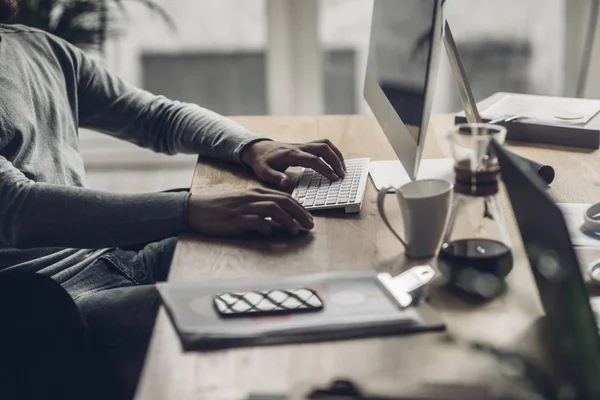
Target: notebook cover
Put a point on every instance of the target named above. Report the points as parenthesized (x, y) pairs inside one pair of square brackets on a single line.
[(354, 306), (586, 136)]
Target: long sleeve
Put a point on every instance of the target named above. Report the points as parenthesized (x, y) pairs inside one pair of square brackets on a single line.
[(108, 104), (49, 89), (43, 215)]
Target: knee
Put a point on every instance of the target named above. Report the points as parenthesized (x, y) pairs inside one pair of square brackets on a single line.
[(121, 314), (27, 295)]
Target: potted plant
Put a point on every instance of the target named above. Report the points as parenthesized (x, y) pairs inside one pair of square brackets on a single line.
[(85, 23)]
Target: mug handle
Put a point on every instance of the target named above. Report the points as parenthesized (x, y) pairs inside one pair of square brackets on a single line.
[(380, 206)]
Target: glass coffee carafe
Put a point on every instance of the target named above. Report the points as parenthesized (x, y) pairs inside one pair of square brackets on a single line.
[(476, 251)]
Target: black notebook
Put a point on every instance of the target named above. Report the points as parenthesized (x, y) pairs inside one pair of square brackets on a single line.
[(353, 306)]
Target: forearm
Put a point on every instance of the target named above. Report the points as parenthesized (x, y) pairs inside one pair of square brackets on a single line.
[(171, 127), (61, 216), (109, 104)]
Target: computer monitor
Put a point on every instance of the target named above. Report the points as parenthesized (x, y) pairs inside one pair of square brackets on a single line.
[(402, 68)]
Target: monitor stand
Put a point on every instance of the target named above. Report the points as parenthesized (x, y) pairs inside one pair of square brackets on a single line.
[(392, 173)]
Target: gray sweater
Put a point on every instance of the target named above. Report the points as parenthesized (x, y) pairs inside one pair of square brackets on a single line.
[(49, 221)]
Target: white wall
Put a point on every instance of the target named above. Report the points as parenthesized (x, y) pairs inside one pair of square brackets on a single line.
[(577, 24), (224, 25), (229, 25), (347, 23), (539, 21)]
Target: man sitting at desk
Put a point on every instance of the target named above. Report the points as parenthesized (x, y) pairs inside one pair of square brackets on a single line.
[(52, 224)]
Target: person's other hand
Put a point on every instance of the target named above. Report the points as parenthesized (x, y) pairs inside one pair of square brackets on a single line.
[(269, 160), (245, 211)]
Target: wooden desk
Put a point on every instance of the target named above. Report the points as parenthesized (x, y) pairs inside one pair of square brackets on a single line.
[(346, 243)]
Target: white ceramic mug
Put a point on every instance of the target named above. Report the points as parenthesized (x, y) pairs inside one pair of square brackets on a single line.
[(425, 207)]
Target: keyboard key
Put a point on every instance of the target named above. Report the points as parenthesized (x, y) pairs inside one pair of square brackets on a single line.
[(314, 190)]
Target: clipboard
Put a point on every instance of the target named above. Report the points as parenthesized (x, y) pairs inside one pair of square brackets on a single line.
[(355, 306)]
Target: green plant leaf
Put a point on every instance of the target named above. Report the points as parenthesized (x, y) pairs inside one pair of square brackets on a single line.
[(84, 23)]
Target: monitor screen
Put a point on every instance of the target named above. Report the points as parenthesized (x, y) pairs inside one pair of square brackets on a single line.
[(403, 34)]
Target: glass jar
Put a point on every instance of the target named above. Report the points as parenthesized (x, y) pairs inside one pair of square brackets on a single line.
[(476, 250)]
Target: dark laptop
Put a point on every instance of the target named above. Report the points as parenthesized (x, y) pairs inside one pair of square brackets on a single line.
[(569, 316)]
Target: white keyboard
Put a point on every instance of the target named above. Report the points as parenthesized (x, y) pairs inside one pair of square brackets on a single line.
[(315, 192)]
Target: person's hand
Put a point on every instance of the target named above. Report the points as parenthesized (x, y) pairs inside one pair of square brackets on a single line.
[(269, 160), (245, 211)]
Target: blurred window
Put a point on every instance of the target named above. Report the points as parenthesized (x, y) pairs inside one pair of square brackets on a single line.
[(235, 83)]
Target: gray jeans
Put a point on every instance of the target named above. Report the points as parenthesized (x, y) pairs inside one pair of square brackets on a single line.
[(119, 302)]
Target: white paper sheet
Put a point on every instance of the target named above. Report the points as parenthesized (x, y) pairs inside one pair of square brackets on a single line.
[(573, 213), (392, 173), (544, 109)]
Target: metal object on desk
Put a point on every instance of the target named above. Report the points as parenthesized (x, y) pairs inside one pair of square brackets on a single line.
[(400, 287), (505, 119), (594, 272)]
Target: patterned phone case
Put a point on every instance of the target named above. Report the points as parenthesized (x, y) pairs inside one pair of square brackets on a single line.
[(267, 302)]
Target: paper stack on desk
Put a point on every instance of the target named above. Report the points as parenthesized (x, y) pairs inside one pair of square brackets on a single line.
[(354, 306), (544, 119), (543, 109)]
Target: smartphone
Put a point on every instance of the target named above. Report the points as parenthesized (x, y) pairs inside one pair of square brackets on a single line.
[(267, 302)]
